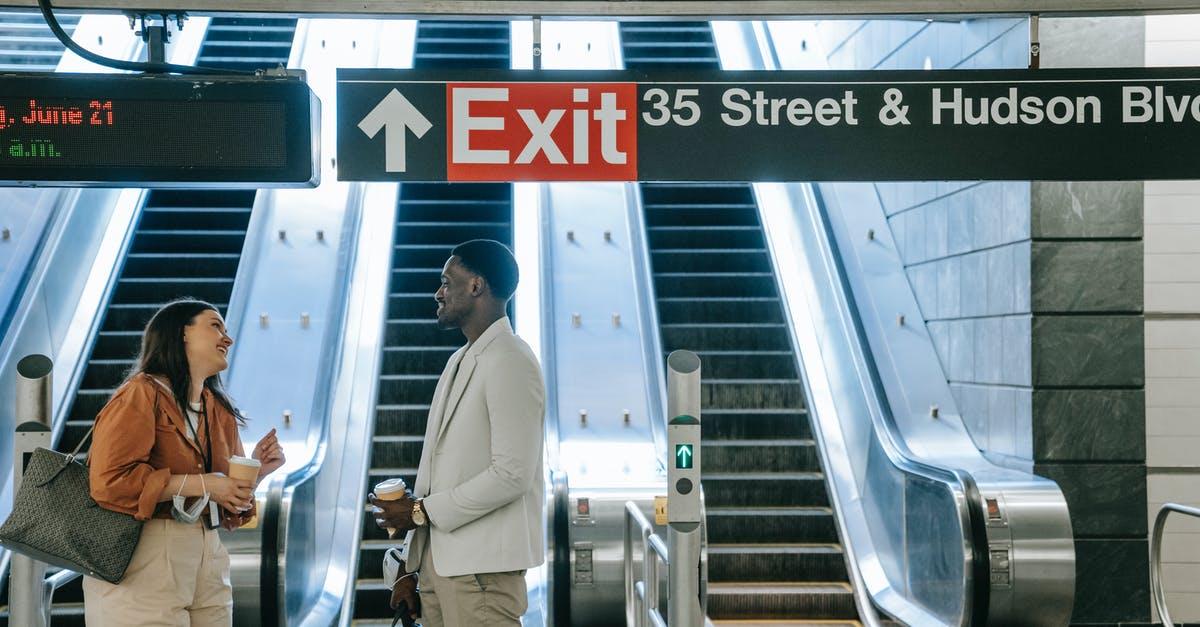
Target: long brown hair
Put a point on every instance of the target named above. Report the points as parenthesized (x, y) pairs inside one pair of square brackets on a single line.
[(162, 353)]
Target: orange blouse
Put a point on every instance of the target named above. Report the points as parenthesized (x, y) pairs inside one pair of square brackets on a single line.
[(135, 449)]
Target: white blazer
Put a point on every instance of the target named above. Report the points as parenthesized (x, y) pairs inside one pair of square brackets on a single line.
[(481, 471)]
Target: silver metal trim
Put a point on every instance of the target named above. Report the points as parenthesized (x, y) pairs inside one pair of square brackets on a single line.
[(1157, 587), (684, 9), (647, 307)]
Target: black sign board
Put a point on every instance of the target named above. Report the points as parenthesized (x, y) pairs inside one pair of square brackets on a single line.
[(1106, 124), (157, 131)]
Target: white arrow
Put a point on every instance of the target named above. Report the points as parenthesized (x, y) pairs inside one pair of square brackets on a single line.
[(395, 110)]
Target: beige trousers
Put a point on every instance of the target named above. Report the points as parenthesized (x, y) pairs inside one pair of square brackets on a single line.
[(178, 577), (483, 600)]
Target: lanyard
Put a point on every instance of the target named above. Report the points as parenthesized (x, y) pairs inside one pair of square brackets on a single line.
[(207, 435)]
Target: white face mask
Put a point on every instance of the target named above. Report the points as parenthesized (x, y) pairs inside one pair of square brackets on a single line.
[(188, 515)]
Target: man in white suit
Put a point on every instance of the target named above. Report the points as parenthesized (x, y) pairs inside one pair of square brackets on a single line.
[(474, 520)]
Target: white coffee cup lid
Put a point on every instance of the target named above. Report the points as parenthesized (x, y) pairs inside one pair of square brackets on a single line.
[(245, 461), (387, 486)]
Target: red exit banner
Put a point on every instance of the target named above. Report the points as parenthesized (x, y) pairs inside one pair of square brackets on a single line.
[(541, 131)]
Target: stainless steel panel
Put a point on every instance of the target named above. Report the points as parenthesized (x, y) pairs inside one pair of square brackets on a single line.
[(597, 587)]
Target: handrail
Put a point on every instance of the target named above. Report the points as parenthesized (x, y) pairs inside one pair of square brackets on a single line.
[(641, 597), (1156, 581), (49, 585)]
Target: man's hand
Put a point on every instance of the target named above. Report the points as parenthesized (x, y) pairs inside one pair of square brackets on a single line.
[(395, 514), (405, 589)]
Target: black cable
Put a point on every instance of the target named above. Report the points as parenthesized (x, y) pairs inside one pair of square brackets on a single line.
[(121, 64)]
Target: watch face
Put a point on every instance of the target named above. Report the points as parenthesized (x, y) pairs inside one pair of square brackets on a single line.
[(418, 515)]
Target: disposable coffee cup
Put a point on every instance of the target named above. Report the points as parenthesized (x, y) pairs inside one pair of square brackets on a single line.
[(390, 490), (245, 468)]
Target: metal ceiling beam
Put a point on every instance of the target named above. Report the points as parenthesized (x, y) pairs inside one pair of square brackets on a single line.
[(579, 9)]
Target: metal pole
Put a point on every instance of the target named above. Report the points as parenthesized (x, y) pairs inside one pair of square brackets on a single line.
[(33, 430), (683, 476), (537, 42)]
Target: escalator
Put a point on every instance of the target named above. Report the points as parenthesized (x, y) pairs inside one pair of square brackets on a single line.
[(247, 44), (773, 551), (26, 43), (431, 218), (186, 243)]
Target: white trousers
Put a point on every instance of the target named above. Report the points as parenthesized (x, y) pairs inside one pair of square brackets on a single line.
[(178, 577)]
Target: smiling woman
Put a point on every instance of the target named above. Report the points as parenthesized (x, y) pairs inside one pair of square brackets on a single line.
[(160, 453)]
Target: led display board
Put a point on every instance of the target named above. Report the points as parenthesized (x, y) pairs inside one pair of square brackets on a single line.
[(157, 131)]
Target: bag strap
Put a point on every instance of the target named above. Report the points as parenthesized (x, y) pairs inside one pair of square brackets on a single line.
[(75, 453)]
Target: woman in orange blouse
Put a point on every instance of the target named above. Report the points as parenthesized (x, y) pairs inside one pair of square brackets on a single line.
[(160, 452)]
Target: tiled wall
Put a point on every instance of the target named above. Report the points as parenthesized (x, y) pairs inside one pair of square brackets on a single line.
[(966, 245), (1172, 274)]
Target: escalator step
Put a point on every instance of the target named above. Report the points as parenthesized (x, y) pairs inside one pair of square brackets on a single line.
[(372, 598), (411, 305), (416, 278), (106, 373), (88, 403), (442, 209), (396, 451), (771, 525), (793, 489), (195, 219), (750, 424), (716, 237), (200, 199), (401, 419), (729, 456), (159, 290), (117, 345), (176, 265), (422, 256), (775, 562), (720, 310), (714, 337), (781, 601), (398, 388), (656, 196), (420, 332), (738, 394), (727, 284), (415, 359), (732, 260), (706, 214), (128, 317), (747, 364), (229, 242), (452, 234), (74, 432), (451, 192)]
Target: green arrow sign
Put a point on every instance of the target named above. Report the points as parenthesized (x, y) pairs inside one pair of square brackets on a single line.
[(683, 456)]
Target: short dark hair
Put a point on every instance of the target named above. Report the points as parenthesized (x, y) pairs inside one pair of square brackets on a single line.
[(491, 260)]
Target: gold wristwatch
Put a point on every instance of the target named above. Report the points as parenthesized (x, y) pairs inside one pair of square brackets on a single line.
[(418, 514)]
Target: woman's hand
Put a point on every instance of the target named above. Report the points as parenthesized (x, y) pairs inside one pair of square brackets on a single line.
[(270, 452), (235, 495)]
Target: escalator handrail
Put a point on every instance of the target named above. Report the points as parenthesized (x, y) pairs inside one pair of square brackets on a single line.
[(975, 529), (959, 482), (646, 304)]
